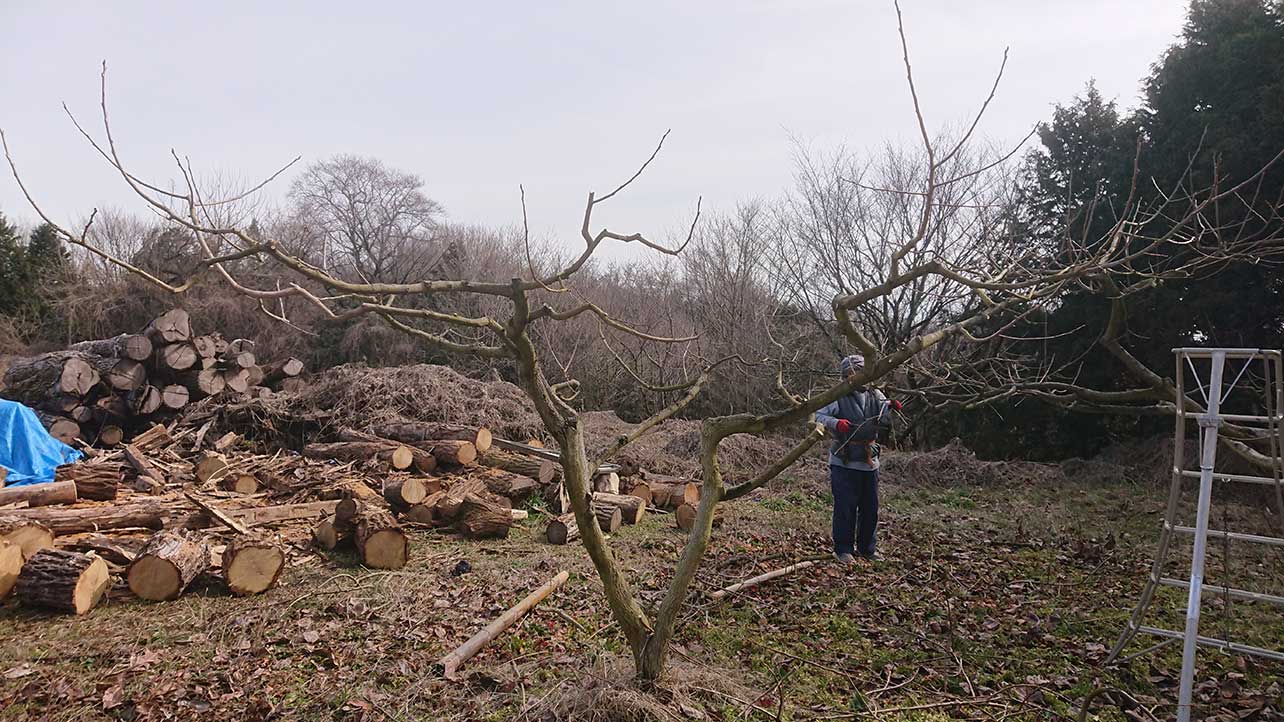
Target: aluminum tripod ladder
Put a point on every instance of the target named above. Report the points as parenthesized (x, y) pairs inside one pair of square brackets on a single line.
[(1208, 410)]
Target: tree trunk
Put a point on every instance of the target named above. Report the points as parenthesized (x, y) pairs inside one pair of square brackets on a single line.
[(252, 564), (135, 347), (30, 536), (54, 492), (562, 530), (63, 581), (169, 562), (415, 432), (170, 327), (631, 507), (380, 540), (37, 379), (481, 518)]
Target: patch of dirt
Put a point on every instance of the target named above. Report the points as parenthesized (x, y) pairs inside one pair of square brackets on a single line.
[(956, 465)]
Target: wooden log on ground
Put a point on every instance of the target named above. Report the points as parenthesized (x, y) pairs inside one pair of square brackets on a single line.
[(112, 408), (135, 347), (30, 536), (636, 487), (326, 534), (387, 449), (211, 466), (238, 359), (755, 581), (449, 665), (512, 486), (481, 518), (447, 507), (380, 541), (609, 517), (60, 373), (80, 519), (10, 566), (110, 435), (59, 427), (256, 381), (404, 493), (609, 483), (176, 357), (541, 470), (348, 489), (260, 516), (421, 513), (146, 400), (118, 550), (170, 327), (562, 529), (631, 507), (240, 483), (670, 493), (398, 456), (174, 396), (206, 346), (63, 581), (684, 516), (166, 565), (454, 453), (54, 492), (93, 481), (418, 431), (206, 382), (252, 564), (275, 373)]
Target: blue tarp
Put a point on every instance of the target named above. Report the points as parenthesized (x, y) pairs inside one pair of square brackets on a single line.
[(28, 451)]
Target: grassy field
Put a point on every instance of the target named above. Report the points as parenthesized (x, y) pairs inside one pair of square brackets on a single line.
[(995, 602)]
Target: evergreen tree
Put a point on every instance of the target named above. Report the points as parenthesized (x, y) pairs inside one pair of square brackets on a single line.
[(13, 269)]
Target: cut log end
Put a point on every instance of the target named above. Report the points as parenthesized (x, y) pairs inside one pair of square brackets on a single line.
[(252, 566), (10, 566), (165, 567)]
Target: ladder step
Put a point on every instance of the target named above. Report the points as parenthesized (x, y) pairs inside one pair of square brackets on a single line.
[(1241, 478), (1214, 590), (1221, 644), (1234, 536)]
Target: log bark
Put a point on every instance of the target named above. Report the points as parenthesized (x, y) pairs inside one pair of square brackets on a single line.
[(54, 492), (39, 378), (63, 581), (420, 459), (669, 493), (481, 518), (562, 530), (512, 486), (135, 347), (455, 453), (10, 566), (449, 664), (80, 519), (176, 357), (403, 493), (275, 373), (146, 470), (380, 541), (640, 489), (447, 507), (93, 481), (170, 327), (166, 565), (260, 516), (30, 536), (609, 517), (252, 564), (541, 470), (154, 438), (118, 550), (416, 432), (421, 513), (631, 507)]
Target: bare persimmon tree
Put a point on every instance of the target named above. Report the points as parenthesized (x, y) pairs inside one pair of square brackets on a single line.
[(987, 289)]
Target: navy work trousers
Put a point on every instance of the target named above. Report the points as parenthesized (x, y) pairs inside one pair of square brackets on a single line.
[(855, 509)]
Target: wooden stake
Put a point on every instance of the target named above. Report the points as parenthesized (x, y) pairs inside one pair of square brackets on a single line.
[(755, 581), (449, 665)]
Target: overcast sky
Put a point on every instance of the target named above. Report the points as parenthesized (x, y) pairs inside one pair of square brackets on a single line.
[(564, 97)]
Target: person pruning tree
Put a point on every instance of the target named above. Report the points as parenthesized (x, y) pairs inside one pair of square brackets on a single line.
[(854, 421)]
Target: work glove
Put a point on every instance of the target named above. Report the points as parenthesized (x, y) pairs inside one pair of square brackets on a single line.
[(843, 426), (896, 405)]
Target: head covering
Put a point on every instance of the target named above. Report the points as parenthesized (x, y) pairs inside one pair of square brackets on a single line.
[(855, 362)]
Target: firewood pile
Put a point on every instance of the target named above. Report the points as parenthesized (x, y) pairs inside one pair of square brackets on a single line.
[(101, 391)]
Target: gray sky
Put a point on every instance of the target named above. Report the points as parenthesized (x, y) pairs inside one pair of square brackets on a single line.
[(564, 97)]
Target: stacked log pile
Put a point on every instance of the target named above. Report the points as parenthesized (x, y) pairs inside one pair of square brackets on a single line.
[(101, 391)]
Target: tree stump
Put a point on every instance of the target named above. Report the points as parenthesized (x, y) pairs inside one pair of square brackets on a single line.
[(380, 540), (164, 568), (63, 581), (252, 564)]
